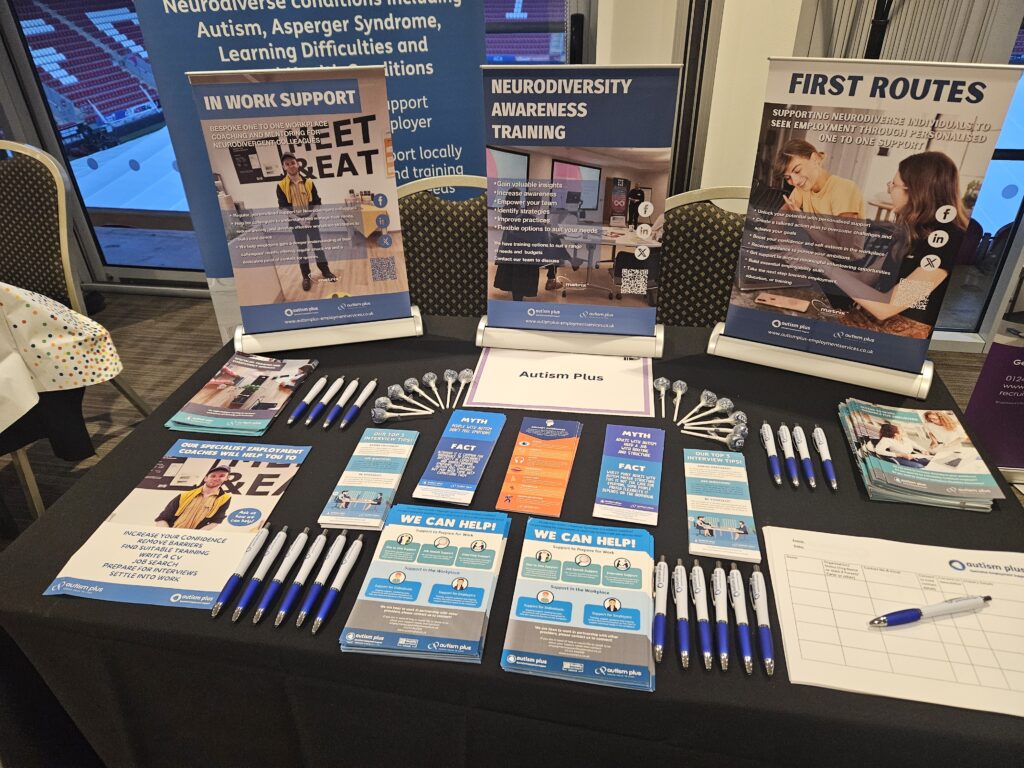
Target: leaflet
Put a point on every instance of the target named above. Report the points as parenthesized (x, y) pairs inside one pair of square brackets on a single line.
[(917, 456), (367, 487), (538, 472), (428, 590), (630, 484), (460, 458), (719, 517), (582, 608), (177, 538), (243, 397)]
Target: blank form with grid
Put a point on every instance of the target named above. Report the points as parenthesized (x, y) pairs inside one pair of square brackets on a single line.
[(828, 587)]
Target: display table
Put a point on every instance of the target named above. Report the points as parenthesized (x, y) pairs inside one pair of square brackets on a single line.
[(161, 687)]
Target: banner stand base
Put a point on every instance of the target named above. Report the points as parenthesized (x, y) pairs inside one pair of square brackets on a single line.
[(566, 341), (326, 336), (859, 374)]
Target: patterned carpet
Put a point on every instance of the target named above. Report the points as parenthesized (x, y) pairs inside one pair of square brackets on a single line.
[(162, 340)]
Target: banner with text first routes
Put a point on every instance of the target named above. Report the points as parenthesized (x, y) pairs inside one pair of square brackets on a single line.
[(860, 205), (431, 52)]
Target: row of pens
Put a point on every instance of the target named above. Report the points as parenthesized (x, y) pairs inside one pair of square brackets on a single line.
[(270, 592), (314, 404), (726, 591), (793, 444)]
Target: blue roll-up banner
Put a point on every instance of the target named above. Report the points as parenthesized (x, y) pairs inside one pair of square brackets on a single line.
[(859, 206), (302, 162), (578, 162), (431, 54)]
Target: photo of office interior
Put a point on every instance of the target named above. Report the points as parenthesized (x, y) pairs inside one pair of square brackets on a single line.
[(312, 384), (591, 198)]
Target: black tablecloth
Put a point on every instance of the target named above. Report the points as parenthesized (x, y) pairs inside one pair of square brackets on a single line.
[(159, 687)]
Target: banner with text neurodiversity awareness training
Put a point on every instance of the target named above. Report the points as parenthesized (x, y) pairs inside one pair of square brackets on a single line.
[(431, 52), (314, 231), (860, 203), (578, 162)]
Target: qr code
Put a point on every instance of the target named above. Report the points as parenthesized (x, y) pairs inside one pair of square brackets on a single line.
[(634, 281), (383, 269)]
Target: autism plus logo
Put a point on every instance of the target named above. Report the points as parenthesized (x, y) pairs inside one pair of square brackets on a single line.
[(511, 658), (957, 565)]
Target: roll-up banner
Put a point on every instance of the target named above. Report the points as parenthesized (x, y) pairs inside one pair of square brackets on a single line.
[(996, 411), (431, 53), (857, 210), (578, 163), (313, 231)]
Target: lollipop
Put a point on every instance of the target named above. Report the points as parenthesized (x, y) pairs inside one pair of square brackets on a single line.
[(661, 385), (430, 380), (450, 376), (724, 406), (411, 385), (736, 417), (465, 376), (738, 429), (385, 403), (395, 392), (679, 388), (734, 440), (707, 400), (379, 415)]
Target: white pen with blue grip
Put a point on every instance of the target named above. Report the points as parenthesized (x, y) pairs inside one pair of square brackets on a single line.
[(236, 578), (679, 597), (768, 441), (800, 441), (759, 599), (276, 545), (300, 409), (739, 608), (312, 555), (699, 595), (821, 445), (321, 578), (786, 444), (660, 607), (324, 401), (267, 599), (720, 599)]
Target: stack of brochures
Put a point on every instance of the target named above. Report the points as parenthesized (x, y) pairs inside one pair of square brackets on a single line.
[(429, 588), (917, 457), (582, 608), (366, 488), (243, 397)]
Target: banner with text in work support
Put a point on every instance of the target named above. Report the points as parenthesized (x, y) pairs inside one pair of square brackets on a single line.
[(860, 204), (431, 52), (305, 155), (578, 162)]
